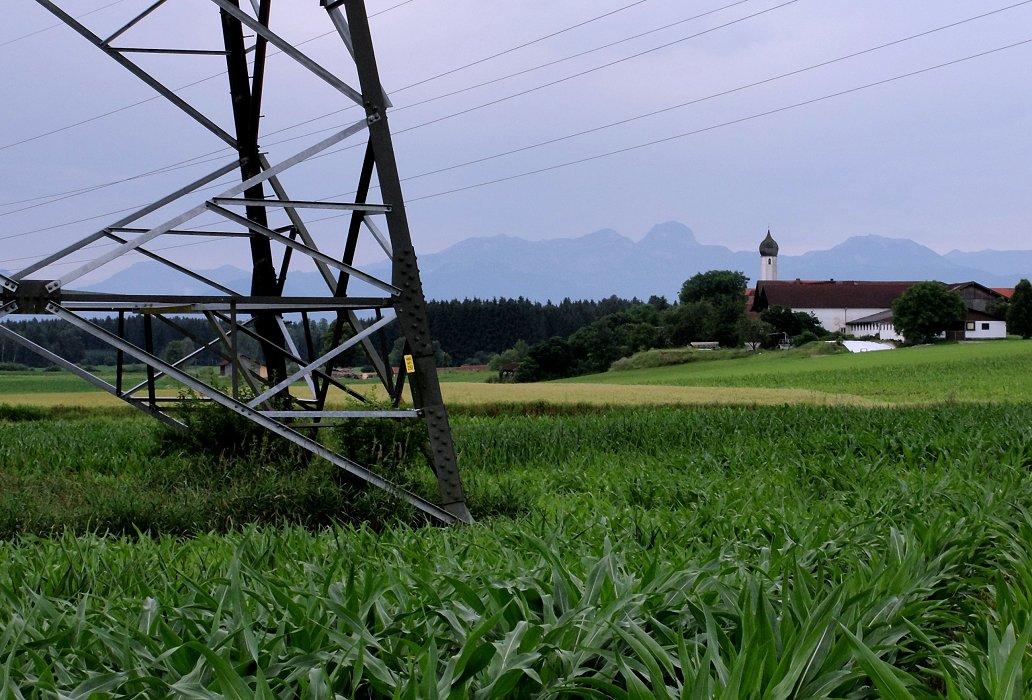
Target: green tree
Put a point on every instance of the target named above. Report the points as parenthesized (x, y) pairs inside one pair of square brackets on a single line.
[(176, 350), (1019, 313), (618, 335), (785, 322), (724, 292), (658, 302), (513, 356), (555, 358), (926, 309), (723, 324), (688, 322), (714, 286), (753, 331)]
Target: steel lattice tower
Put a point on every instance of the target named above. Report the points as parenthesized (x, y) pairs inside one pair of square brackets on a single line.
[(270, 398)]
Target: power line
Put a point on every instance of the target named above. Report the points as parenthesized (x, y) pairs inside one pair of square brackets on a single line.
[(712, 96), (538, 87), (609, 46), (69, 223), (655, 142), (87, 190), (528, 43), (334, 112), (104, 245), (101, 116), (314, 38), (717, 126), (155, 97), (383, 11), (666, 109), (609, 125), (59, 24), (521, 72)]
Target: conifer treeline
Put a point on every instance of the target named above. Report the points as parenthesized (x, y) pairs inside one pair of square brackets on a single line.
[(469, 331)]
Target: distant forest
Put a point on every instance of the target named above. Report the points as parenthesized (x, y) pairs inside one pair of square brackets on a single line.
[(468, 331)]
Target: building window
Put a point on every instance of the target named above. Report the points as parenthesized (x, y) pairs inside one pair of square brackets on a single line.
[(970, 325), (985, 326)]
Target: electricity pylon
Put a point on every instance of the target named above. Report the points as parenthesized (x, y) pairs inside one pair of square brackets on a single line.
[(259, 316)]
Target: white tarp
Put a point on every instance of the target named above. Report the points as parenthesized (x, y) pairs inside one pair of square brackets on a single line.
[(866, 345)]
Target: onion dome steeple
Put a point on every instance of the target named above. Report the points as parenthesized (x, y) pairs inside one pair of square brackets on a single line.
[(768, 259)]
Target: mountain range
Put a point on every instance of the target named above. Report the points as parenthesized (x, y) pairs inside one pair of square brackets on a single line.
[(605, 263)]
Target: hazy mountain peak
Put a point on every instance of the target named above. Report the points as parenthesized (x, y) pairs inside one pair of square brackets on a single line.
[(873, 241), (602, 235), (604, 262), (670, 232)]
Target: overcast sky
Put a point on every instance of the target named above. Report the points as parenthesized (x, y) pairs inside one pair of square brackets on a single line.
[(752, 130)]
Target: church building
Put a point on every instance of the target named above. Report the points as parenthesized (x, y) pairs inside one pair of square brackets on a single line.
[(864, 308)]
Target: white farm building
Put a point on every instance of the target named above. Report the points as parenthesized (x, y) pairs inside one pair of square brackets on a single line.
[(864, 308)]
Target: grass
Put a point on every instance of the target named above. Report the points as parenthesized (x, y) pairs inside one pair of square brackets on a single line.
[(967, 372), (785, 551), (971, 372)]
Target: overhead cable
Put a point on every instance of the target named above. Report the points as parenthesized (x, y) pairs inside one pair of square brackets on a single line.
[(59, 24), (607, 154), (416, 104), (714, 127)]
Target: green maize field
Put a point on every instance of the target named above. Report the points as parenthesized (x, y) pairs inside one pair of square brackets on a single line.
[(780, 551)]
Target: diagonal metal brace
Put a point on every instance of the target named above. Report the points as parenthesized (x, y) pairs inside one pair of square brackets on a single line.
[(242, 409)]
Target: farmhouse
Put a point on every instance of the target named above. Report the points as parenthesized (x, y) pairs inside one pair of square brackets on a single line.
[(864, 308)]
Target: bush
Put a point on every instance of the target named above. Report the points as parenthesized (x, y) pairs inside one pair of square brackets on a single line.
[(243, 454), (804, 338), (13, 367), (243, 473), (675, 356), (388, 446), (655, 358), (218, 433)]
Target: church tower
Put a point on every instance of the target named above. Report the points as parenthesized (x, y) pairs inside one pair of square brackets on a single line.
[(768, 259)]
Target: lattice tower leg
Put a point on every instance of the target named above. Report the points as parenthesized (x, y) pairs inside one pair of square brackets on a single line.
[(273, 403)]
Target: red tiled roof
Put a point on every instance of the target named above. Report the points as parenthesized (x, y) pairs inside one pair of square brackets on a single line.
[(1004, 291), (827, 294)]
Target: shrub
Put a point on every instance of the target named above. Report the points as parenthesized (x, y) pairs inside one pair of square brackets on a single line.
[(218, 433), (388, 446), (804, 338), (656, 358), (675, 356)]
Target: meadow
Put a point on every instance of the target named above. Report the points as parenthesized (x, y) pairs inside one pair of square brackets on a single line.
[(956, 372), (988, 371), (771, 550)]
